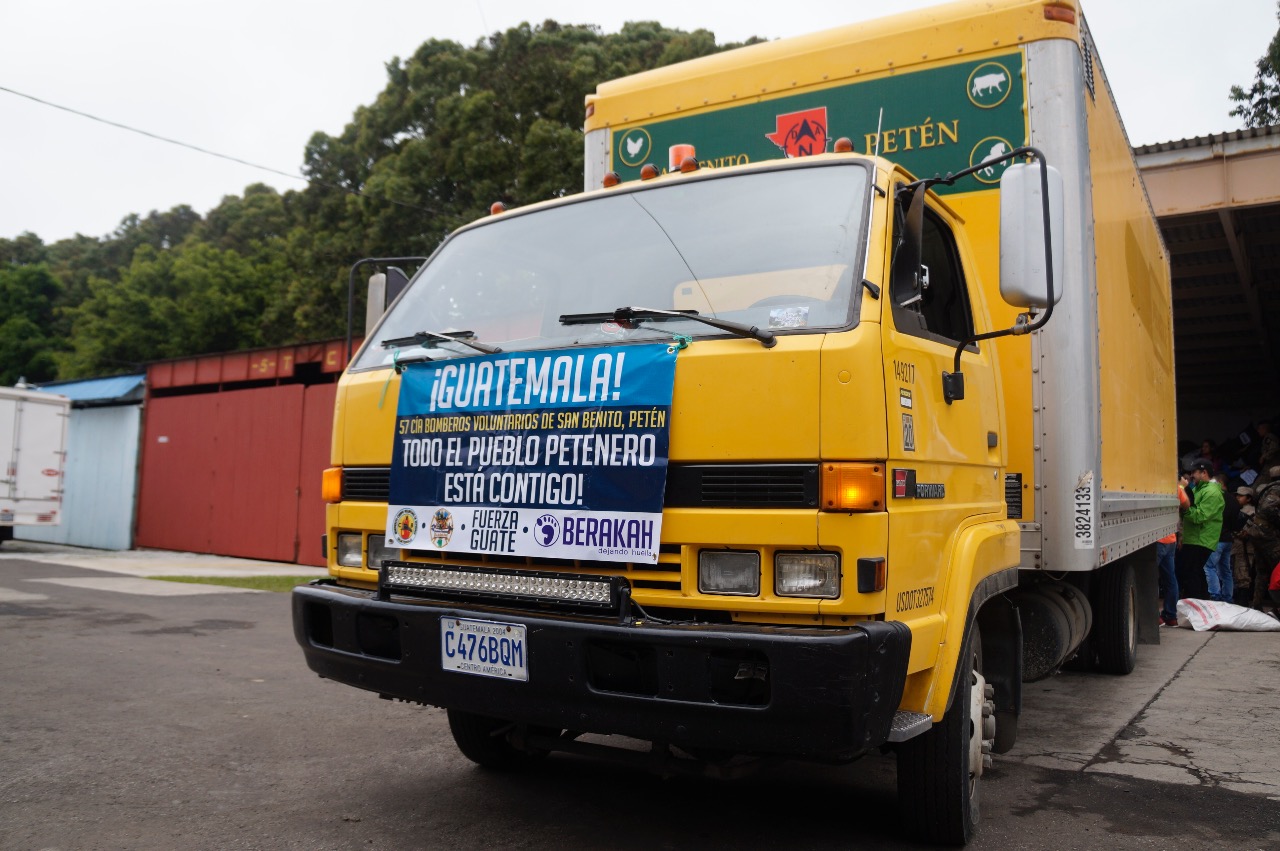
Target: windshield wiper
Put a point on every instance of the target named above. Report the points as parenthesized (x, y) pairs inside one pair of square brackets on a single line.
[(431, 340), (632, 314)]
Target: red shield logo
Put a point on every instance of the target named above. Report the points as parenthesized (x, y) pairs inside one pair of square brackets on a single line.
[(800, 134)]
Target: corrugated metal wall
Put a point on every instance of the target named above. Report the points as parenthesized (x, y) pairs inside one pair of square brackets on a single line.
[(237, 472), (99, 481), (317, 439)]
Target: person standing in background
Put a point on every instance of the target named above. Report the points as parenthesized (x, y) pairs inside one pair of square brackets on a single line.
[(1166, 561), (1217, 570), (1204, 453), (1263, 534), (1241, 551), (1201, 526)]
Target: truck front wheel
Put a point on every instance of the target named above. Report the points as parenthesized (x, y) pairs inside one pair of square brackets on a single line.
[(483, 740), (940, 772)]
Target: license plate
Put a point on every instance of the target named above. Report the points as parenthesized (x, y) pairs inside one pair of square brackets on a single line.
[(484, 648)]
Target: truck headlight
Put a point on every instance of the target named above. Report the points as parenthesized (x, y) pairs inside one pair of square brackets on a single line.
[(378, 552), (349, 550), (807, 575), (724, 572)]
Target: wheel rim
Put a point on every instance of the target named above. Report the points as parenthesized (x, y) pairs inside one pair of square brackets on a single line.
[(1132, 617), (982, 727)]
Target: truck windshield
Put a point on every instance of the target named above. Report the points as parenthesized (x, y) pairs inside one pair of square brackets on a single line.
[(776, 249)]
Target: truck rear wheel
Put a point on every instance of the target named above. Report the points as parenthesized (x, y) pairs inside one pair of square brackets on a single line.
[(940, 772), (1115, 629), (483, 740)]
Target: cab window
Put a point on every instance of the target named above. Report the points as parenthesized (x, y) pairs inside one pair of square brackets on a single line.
[(939, 308)]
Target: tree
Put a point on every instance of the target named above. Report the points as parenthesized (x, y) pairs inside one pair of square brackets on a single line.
[(1260, 105), (172, 303), (455, 129), (29, 294)]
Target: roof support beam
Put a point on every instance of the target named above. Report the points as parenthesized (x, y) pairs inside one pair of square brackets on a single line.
[(1235, 240)]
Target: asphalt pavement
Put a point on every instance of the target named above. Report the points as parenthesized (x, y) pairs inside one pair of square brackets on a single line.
[(145, 714)]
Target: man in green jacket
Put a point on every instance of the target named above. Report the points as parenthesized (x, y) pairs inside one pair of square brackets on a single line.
[(1201, 527)]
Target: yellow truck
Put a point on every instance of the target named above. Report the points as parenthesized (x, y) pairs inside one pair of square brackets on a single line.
[(838, 405)]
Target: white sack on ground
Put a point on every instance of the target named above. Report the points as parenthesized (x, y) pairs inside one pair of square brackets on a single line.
[(1202, 615)]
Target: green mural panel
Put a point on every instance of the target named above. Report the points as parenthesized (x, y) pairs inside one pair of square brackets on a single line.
[(935, 121)]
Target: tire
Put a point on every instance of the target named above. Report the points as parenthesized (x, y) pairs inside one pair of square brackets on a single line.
[(1115, 626), (940, 772), (483, 741)]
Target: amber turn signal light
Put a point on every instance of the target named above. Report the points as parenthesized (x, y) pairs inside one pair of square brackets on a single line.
[(844, 145), (497, 207), (677, 154), (331, 485), (611, 180), (648, 172), (852, 487), (1059, 12)]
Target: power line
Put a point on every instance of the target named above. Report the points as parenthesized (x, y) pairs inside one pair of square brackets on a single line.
[(208, 152)]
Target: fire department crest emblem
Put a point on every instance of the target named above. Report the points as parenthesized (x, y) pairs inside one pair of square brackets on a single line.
[(441, 528), (406, 525)]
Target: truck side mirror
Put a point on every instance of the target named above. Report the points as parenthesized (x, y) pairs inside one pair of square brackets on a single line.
[(383, 289), (1022, 235)]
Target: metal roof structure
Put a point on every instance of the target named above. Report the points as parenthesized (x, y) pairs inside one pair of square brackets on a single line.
[(1217, 199), (115, 390)]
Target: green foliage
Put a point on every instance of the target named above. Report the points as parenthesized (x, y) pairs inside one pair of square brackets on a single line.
[(29, 294), (455, 129), (193, 298), (1259, 106)]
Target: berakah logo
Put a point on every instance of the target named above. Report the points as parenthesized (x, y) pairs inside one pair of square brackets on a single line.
[(546, 527), (406, 525), (801, 134), (441, 528)]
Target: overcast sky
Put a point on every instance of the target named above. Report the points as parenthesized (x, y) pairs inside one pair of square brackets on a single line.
[(255, 79)]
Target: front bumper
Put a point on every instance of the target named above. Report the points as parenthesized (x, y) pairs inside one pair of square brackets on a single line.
[(812, 693)]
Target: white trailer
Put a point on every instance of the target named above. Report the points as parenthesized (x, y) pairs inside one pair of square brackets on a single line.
[(33, 435)]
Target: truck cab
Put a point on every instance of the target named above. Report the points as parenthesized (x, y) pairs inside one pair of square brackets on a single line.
[(832, 527)]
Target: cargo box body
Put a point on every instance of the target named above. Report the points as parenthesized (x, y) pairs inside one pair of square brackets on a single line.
[(33, 428), (1090, 403)]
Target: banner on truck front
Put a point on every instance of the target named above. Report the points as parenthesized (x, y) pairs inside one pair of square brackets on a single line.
[(559, 454)]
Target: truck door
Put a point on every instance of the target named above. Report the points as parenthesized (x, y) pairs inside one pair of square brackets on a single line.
[(943, 465)]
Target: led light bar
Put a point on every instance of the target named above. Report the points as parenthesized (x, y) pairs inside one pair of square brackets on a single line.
[(481, 582)]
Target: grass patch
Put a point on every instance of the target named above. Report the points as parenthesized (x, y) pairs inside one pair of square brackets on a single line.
[(257, 583)]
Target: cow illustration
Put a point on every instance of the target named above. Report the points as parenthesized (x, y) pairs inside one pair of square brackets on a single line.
[(988, 83), (999, 149)]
